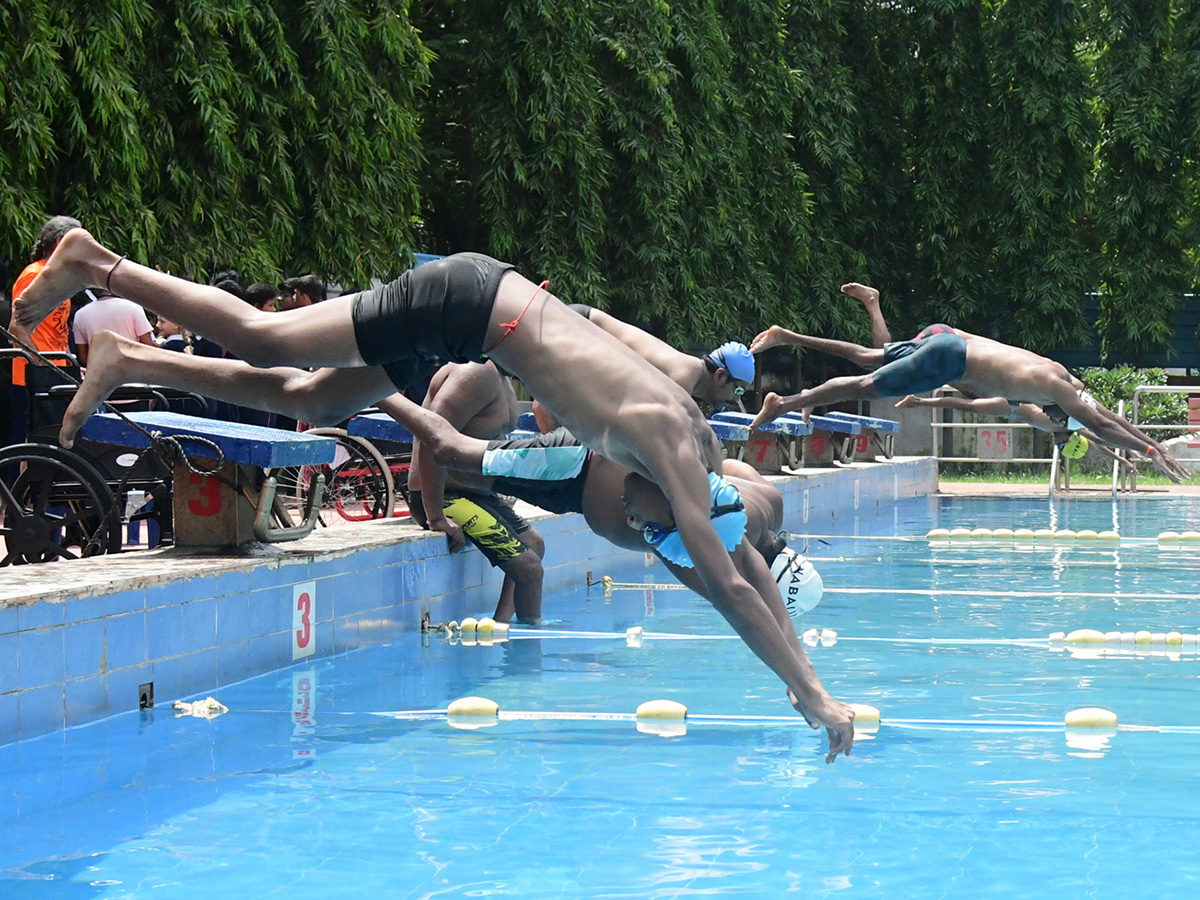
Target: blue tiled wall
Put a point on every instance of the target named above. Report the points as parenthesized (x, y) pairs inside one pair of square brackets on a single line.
[(66, 662)]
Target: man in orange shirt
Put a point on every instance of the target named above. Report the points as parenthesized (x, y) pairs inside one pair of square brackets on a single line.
[(52, 335)]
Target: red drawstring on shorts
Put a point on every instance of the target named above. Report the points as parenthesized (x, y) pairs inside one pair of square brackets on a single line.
[(510, 327)]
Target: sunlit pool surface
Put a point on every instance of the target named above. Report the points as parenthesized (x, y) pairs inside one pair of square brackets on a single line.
[(305, 790)]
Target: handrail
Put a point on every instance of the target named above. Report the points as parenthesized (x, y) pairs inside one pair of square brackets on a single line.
[(1158, 389), (1059, 465)]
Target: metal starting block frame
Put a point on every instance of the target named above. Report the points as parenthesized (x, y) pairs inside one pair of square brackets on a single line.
[(767, 449), (236, 503), (878, 432)]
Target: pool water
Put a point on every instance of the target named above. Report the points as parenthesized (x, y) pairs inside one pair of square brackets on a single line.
[(311, 787)]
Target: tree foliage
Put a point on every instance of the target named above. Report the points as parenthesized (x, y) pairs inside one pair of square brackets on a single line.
[(705, 168), (198, 135)]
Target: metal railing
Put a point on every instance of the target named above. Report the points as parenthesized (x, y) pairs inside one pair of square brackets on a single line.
[(1158, 389), (998, 434)]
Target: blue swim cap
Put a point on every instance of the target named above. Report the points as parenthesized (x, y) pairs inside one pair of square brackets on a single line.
[(736, 359)]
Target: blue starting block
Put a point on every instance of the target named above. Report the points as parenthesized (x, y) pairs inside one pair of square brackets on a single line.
[(768, 448), (832, 440), (378, 427), (881, 432), (220, 509)]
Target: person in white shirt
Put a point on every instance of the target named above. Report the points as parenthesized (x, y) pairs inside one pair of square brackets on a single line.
[(108, 312)]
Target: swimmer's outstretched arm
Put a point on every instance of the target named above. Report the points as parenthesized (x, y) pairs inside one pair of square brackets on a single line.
[(982, 406), (685, 485), (658, 353), (1102, 422), (1146, 442)]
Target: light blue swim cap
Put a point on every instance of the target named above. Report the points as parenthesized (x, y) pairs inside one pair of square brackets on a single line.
[(736, 359)]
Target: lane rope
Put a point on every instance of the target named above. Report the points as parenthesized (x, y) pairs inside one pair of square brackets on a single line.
[(792, 720)]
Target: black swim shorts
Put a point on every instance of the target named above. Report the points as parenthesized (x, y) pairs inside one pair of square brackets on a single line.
[(488, 521), (433, 314)]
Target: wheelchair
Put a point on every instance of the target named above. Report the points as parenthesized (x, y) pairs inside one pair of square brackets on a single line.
[(92, 499)]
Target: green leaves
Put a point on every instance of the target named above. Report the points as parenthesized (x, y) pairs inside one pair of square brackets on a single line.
[(273, 138), (705, 168)]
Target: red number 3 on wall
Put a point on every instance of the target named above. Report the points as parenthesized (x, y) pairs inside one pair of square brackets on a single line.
[(303, 619)]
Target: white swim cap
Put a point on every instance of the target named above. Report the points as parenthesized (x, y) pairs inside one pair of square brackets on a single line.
[(799, 582)]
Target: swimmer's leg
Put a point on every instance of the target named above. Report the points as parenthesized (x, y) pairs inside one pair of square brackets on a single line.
[(835, 390), (450, 448), (327, 395), (521, 594), (863, 357), (869, 297), (321, 335)]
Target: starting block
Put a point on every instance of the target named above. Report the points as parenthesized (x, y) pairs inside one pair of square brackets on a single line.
[(380, 427), (236, 503), (878, 432), (767, 449), (832, 441)]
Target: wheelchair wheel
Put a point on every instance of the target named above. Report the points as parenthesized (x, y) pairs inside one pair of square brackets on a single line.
[(59, 507), (358, 483)]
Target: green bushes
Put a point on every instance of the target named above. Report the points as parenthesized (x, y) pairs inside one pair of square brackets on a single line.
[(1111, 386), (706, 168)]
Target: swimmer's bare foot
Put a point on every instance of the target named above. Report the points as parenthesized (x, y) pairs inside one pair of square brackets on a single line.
[(868, 296), (77, 262), (910, 400), (106, 358), (772, 337), (772, 409)]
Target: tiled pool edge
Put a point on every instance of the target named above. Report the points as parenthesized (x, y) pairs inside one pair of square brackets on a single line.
[(74, 652)]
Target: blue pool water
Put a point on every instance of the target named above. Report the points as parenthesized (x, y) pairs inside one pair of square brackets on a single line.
[(306, 788)]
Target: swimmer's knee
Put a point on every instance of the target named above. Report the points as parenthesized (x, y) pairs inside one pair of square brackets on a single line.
[(535, 542), (444, 450), (305, 399), (525, 568)]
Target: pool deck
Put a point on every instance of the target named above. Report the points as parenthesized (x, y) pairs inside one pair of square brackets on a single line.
[(1027, 489)]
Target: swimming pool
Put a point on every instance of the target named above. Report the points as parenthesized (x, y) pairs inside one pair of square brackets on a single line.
[(309, 787)]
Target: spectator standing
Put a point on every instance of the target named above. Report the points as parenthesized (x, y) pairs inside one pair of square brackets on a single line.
[(262, 296), (108, 312), (53, 335), (305, 290), (171, 336)]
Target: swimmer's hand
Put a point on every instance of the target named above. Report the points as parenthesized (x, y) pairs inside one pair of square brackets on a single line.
[(910, 400), (455, 539), (1163, 462), (838, 719)]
